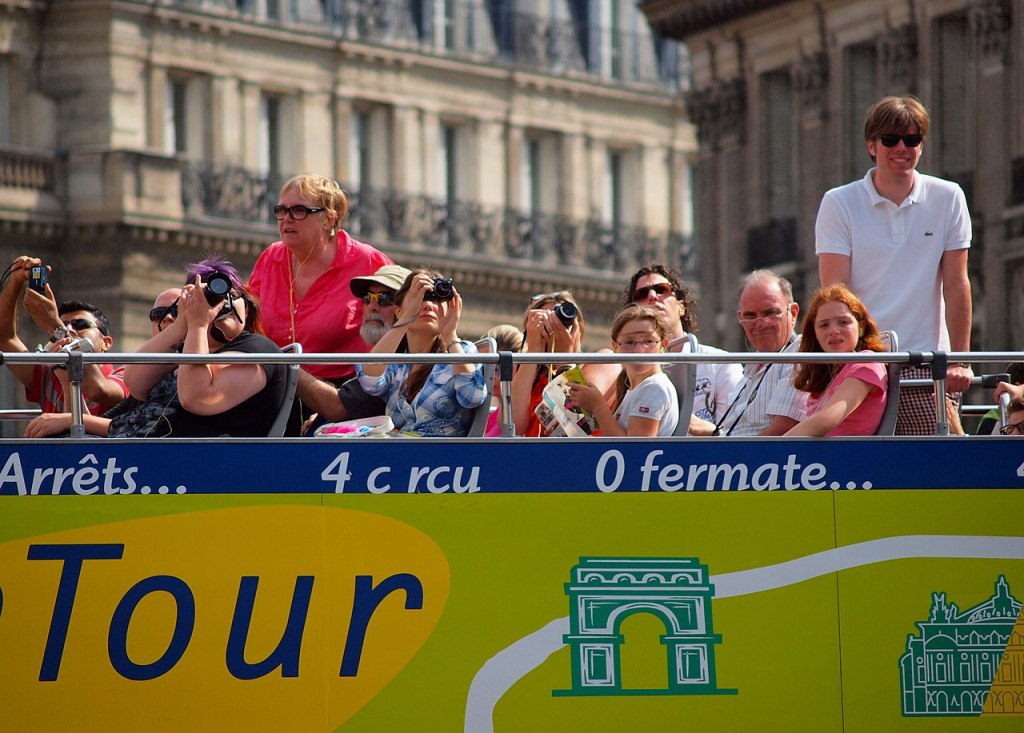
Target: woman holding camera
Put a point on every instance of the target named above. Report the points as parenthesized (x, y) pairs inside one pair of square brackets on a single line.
[(434, 400), (215, 315), (553, 323)]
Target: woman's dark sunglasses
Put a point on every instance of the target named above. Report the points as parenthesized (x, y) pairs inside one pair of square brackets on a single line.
[(891, 140), (658, 289), (381, 299), (158, 314), (298, 212)]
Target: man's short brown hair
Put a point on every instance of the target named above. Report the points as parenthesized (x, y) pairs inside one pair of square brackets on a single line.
[(896, 115)]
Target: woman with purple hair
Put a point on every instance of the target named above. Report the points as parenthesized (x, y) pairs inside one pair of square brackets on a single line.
[(216, 315)]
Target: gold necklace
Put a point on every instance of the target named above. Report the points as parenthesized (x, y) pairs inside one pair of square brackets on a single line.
[(291, 284)]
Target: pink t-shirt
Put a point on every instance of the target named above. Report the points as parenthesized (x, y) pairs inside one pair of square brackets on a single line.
[(867, 416), (328, 317)]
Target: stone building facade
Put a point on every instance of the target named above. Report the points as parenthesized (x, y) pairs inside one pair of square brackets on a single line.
[(520, 146), (779, 96)]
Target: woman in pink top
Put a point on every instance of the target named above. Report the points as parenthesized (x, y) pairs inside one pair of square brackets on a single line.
[(846, 399), (302, 282)]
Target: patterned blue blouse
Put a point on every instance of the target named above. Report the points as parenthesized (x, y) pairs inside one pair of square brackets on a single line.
[(444, 405)]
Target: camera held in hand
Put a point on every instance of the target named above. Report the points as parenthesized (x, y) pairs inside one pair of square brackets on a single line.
[(442, 291), (37, 278), (567, 313), (218, 286)]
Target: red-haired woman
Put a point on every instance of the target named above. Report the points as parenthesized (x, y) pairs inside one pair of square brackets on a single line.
[(846, 399)]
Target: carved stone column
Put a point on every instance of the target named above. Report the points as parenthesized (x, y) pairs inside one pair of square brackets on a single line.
[(810, 80), (991, 20), (897, 51)]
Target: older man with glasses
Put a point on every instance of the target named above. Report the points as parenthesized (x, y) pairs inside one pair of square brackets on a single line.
[(661, 288), (899, 240), (71, 324), (766, 402), (348, 401)]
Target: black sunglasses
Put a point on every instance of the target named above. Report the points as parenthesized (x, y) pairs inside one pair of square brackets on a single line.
[(298, 212), (79, 324), (1013, 428), (658, 289), (381, 299), (158, 314), (891, 140)]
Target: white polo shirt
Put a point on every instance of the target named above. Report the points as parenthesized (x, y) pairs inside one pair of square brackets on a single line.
[(895, 252)]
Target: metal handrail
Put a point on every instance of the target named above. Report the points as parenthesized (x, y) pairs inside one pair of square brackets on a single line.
[(76, 360)]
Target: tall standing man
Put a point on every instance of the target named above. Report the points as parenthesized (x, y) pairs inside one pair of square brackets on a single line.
[(899, 240)]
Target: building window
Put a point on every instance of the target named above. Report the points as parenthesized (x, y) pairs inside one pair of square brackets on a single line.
[(953, 118), (861, 92), (613, 187), (5, 100), (779, 163), (540, 180), (449, 162), (359, 149), (176, 116), (270, 134), (370, 147)]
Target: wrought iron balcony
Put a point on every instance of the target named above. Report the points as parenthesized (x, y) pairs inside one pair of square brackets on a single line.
[(492, 30), (447, 227)]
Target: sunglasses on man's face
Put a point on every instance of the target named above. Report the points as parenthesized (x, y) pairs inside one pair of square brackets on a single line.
[(158, 314), (659, 289), (891, 140), (79, 324), (381, 299)]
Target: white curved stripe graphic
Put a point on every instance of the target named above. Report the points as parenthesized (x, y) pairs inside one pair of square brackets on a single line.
[(504, 669)]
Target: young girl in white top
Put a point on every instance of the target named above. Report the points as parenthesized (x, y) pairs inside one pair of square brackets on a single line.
[(646, 403)]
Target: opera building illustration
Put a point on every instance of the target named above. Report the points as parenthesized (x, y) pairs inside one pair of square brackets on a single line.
[(966, 663)]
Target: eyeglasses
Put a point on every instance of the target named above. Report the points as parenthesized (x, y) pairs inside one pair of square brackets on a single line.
[(749, 319), (891, 140), (79, 324), (381, 299), (659, 289), (298, 212), (158, 314), (630, 344), (1014, 428)]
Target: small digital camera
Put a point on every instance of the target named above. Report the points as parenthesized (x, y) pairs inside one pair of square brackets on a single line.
[(442, 290), (37, 278)]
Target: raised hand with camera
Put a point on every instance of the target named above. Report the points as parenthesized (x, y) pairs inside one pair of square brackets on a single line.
[(73, 324)]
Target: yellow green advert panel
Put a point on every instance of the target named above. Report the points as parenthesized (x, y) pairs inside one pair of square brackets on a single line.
[(233, 586)]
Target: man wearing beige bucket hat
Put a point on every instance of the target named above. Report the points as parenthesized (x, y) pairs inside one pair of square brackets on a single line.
[(348, 401)]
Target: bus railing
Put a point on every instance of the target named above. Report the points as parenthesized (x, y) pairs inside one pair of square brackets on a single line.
[(75, 362)]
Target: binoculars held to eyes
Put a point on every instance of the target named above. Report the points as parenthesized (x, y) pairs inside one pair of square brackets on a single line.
[(442, 291)]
